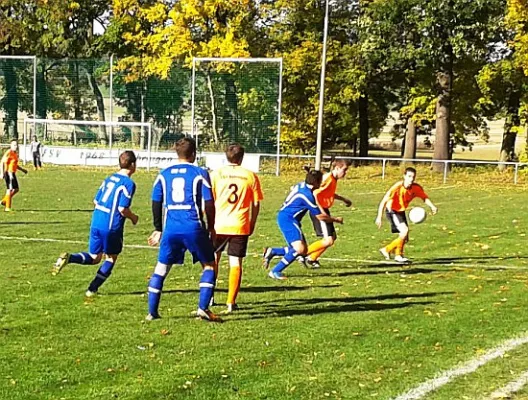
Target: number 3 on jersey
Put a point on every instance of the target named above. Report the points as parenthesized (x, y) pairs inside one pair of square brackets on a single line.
[(233, 197), (178, 190)]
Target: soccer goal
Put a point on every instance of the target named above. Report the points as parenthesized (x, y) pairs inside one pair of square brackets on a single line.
[(18, 93), (237, 100), (95, 143)]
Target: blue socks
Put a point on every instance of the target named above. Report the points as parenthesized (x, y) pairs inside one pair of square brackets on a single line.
[(102, 275), (288, 258), (81, 258), (278, 251), (207, 284), (154, 293)]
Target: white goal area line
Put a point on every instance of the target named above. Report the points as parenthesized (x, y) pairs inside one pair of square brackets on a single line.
[(464, 369), (513, 387), (420, 263)]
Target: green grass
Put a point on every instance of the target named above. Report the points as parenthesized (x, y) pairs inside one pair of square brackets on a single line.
[(355, 329)]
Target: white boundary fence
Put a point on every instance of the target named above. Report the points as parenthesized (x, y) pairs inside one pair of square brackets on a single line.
[(35, 121), (384, 161)]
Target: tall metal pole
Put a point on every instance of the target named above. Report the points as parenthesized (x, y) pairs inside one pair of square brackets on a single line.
[(111, 102), (319, 146), (279, 117), (35, 93), (193, 83)]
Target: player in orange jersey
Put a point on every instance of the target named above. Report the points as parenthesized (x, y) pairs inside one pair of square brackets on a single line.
[(325, 197), (237, 195), (8, 169), (394, 203)]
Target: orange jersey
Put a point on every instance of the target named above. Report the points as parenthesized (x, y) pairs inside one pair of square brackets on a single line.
[(10, 161), (235, 189), (401, 197), (325, 195)]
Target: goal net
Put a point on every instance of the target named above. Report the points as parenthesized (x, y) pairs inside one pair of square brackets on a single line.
[(17, 94), (95, 143), (237, 100)]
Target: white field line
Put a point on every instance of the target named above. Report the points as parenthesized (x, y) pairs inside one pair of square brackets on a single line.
[(464, 369), (348, 260), (510, 388)]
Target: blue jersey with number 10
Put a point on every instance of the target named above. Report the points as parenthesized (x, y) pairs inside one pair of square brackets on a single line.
[(115, 193), (182, 188)]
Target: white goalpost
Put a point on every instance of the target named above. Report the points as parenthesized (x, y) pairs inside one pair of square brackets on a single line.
[(74, 140), (211, 97)]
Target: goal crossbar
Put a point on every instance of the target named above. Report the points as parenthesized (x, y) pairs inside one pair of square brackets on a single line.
[(147, 125)]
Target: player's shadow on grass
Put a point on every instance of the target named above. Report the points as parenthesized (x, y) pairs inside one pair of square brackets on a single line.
[(390, 270), (454, 260), (332, 309), (250, 289), (381, 297)]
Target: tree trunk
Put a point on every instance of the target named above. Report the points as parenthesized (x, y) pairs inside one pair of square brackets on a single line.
[(133, 106), (103, 136), (363, 125), (230, 120), (444, 81), (75, 94), (213, 107), (410, 140), (511, 127), (11, 101)]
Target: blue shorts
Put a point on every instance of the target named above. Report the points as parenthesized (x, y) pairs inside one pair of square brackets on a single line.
[(291, 229), (174, 245), (104, 241)]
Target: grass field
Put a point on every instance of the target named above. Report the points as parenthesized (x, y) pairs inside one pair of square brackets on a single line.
[(358, 328)]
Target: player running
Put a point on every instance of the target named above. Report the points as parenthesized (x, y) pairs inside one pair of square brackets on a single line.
[(325, 197), (237, 193), (112, 208), (394, 203), (177, 198), (9, 167), (300, 201)]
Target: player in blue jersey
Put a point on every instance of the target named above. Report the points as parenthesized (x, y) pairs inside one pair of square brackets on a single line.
[(300, 201), (112, 207), (177, 197)]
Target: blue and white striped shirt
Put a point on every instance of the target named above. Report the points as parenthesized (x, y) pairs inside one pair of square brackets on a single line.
[(300, 200)]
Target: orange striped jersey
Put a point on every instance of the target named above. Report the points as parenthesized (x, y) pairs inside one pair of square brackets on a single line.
[(10, 161), (401, 197), (325, 195), (235, 189)]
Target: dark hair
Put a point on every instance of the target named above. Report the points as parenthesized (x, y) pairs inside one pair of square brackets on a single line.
[(313, 177), (340, 162), (126, 159), (186, 148), (235, 153), (410, 169)]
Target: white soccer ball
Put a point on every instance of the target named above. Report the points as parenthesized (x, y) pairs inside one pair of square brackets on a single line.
[(417, 215)]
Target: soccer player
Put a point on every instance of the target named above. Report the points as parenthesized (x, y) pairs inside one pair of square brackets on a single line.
[(300, 201), (112, 207), (177, 198), (394, 203), (8, 169), (36, 148), (237, 193), (325, 197)]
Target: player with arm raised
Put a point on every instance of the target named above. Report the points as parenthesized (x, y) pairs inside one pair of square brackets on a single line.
[(394, 203), (112, 207), (237, 193), (300, 201), (177, 198), (8, 169)]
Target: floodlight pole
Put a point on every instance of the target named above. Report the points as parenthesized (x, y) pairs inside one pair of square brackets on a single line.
[(319, 145), (111, 101)]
